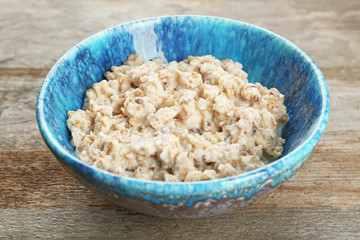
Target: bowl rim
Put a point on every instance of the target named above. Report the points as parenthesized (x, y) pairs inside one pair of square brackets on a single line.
[(156, 187)]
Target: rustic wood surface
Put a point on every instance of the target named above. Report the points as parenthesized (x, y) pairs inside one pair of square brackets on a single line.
[(38, 198)]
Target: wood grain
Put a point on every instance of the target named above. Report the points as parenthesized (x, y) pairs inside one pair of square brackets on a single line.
[(251, 223), (35, 33), (38, 198)]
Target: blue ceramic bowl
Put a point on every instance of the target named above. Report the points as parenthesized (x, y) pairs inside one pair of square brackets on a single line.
[(267, 58)]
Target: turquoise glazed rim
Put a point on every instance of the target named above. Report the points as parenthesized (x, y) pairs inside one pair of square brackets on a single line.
[(267, 57)]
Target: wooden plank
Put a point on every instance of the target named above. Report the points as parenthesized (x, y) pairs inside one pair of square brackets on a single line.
[(250, 223), (34, 179), (22, 72), (35, 33), (18, 94)]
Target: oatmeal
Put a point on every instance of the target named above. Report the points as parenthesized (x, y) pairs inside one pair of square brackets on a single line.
[(197, 119)]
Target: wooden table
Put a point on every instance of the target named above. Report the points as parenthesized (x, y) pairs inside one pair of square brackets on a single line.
[(38, 198)]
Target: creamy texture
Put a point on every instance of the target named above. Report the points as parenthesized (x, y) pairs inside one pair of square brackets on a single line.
[(197, 119)]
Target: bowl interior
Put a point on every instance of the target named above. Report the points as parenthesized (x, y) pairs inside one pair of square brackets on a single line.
[(266, 57)]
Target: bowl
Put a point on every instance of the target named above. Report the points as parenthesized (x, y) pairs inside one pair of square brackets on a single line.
[(267, 58)]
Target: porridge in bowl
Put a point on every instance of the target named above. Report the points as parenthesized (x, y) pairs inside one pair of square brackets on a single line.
[(197, 119)]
